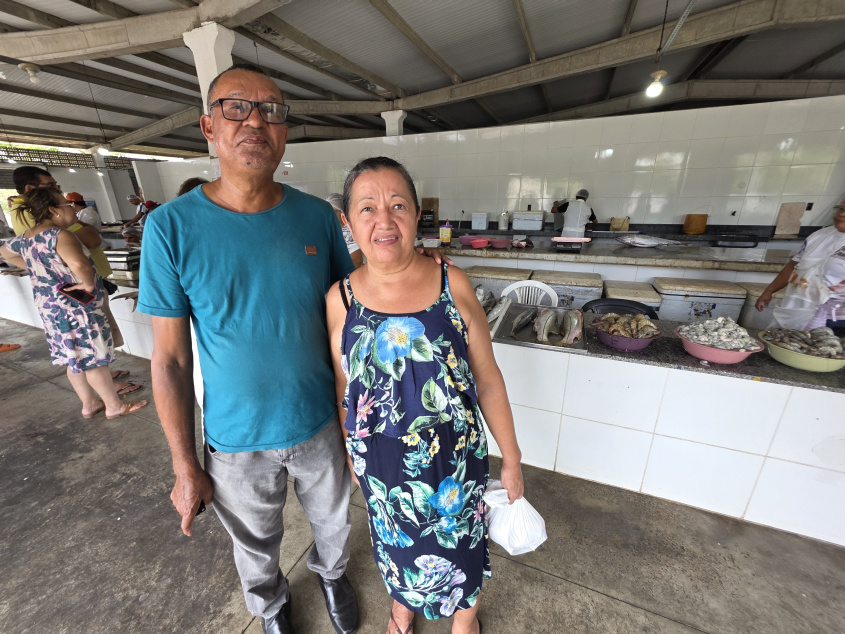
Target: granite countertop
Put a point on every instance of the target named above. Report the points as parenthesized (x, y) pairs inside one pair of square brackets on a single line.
[(759, 259), (668, 352)]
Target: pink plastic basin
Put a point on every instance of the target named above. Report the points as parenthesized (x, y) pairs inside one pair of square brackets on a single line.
[(465, 240), (626, 344), (716, 355), (500, 243), (479, 243)]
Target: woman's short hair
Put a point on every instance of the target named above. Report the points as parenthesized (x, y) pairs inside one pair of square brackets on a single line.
[(189, 184), (336, 201), (374, 164), (36, 203)]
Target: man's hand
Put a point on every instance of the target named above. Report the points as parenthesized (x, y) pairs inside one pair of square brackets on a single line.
[(189, 490), (511, 478), (434, 253)]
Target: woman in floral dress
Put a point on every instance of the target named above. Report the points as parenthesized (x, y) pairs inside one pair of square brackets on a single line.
[(78, 334), (415, 370)]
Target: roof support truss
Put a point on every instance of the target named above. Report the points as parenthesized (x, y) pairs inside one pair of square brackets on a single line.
[(818, 59)]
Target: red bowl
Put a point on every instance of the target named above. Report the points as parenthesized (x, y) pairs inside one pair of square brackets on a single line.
[(500, 243), (479, 243), (626, 344), (716, 355)]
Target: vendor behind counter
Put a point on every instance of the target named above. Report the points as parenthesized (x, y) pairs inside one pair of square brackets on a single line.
[(577, 221)]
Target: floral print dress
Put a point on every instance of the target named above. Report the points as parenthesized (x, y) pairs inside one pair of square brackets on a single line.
[(419, 450), (79, 335)]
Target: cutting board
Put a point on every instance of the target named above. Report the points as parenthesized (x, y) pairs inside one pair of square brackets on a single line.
[(789, 219)]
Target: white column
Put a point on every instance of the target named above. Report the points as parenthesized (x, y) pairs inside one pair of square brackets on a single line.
[(211, 45), (393, 122)]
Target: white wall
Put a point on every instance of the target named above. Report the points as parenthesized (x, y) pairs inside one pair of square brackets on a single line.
[(655, 168), (100, 189)]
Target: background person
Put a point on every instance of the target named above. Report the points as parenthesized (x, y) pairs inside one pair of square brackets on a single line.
[(414, 370), (814, 280), (559, 208), (189, 184), (78, 334), (84, 213), (140, 209), (336, 201), (27, 178)]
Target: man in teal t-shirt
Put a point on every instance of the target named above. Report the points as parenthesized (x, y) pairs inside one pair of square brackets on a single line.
[(248, 261)]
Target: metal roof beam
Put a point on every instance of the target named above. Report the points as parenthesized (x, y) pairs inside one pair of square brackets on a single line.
[(123, 37), (712, 57), (730, 21), (158, 128), (526, 34), (33, 15), (168, 62), (703, 90), (53, 119), (392, 16), (626, 29), (276, 74), (308, 107), (818, 59), (40, 94), (283, 29)]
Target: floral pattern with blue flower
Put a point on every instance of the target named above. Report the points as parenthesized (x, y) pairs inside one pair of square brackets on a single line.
[(418, 447)]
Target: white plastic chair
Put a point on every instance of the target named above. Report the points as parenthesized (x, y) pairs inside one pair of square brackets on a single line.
[(532, 292)]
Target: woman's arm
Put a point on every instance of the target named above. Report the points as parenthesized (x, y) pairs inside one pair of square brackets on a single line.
[(335, 318), (70, 250), (492, 394), (12, 257), (778, 283)]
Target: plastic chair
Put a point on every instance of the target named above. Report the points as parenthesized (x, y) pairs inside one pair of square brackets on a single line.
[(605, 305), (532, 292)]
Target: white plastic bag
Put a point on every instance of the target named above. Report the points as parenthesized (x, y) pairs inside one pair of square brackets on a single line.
[(517, 527)]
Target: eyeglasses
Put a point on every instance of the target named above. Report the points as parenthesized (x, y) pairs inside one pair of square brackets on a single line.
[(241, 109)]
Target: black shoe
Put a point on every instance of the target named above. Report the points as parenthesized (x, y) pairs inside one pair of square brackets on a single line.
[(341, 603), (279, 624)]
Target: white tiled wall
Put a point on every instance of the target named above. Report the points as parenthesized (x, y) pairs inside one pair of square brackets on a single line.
[(735, 163)]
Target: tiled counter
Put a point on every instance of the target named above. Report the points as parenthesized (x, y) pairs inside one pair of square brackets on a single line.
[(714, 438)]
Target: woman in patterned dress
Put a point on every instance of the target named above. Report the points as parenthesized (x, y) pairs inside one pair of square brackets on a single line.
[(78, 334), (415, 370)]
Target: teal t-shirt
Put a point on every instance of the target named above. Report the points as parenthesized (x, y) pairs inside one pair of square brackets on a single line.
[(254, 286)]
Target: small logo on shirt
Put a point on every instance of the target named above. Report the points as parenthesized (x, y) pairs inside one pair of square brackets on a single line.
[(310, 250)]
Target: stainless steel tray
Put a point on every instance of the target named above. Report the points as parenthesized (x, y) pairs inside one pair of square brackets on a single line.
[(527, 337)]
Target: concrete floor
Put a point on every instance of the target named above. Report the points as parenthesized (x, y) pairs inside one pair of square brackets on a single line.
[(91, 543)]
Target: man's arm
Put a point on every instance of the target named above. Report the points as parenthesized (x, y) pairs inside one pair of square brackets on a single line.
[(87, 234), (173, 390)]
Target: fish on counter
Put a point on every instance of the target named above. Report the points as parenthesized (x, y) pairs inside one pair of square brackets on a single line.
[(522, 320), (479, 292), (571, 328), (544, 323), (819, 342), (720, 332), (640, 240), (496, 309), (632, 326), (488, 302)]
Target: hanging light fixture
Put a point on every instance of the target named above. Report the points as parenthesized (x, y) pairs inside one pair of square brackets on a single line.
[(32, 70), (655, 88)]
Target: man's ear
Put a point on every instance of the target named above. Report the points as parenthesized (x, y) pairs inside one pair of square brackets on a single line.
[(206, 125)]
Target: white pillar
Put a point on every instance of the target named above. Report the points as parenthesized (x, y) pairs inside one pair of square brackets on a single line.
[(211, 45), (393, 122)]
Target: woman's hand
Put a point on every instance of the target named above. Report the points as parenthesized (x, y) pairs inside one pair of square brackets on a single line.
[(81, 287), (434, 253), (511, 478), (763, 300)]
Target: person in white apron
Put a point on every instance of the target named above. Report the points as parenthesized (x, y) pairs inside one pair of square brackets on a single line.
[(573, 217), (814, 280)]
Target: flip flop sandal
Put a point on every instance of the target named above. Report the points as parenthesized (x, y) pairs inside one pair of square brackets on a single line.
[(101, 408), (396, 625), (119, 374), (129, 407), (128, 389), (8, 347)]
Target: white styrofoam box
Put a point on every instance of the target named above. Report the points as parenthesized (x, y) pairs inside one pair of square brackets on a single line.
[(709, 274), (800, 499), (534, 378), (573, 288), (527, 225), (699, 308), (614, 392), (812, 429), (581, 267), (604, 453), (711, 478), (752, 319), (479, 221), (728, 412), (537, 433)]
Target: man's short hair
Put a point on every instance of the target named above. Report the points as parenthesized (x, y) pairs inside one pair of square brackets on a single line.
[(132, 197), (252, 68), (28, 175)]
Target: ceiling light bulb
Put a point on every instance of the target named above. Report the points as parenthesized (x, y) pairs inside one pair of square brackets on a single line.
[(103, 151), (32, 70), (655, 88)]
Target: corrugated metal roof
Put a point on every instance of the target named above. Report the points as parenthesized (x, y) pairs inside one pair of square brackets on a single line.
[(18, 23), (649, 13), (63, 9), (517, 104), (147, 80), (577, 91), (474, 38), (361, 34), (560, 27)]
